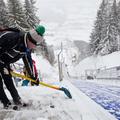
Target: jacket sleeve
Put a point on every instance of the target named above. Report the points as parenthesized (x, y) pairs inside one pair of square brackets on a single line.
[(27, 59)]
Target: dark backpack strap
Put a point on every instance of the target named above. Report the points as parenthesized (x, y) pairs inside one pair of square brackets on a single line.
[(10, 29)]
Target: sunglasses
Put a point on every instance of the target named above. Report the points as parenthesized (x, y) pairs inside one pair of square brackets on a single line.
[(31, 39)]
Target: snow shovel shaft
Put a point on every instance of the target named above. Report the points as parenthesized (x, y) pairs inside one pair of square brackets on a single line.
[(14, 74)]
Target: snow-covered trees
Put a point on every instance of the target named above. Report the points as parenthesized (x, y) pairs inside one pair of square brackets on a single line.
[(105, 35), (30, 11), (118, 13), (16, 15), (3, 15), (112, 36), (96, 35)]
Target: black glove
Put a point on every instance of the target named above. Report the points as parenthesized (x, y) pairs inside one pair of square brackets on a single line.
[(36, 81)]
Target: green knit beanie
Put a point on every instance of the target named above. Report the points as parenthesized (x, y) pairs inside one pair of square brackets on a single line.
[(40, 30)]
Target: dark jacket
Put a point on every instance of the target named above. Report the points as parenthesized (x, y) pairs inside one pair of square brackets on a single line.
[(13, 47)]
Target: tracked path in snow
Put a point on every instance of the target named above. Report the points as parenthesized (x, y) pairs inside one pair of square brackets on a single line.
[(107, 96)]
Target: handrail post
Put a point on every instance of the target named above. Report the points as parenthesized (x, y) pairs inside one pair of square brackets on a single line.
[(59, 65)]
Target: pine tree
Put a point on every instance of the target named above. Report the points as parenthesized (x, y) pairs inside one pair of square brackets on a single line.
[(16, 15), (37, 20), (96, 35), (31, 18), (3, 15), (105, 35), (110, 41), (118, 13)]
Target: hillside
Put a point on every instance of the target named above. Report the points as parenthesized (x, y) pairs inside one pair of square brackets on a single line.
[(96, 62)]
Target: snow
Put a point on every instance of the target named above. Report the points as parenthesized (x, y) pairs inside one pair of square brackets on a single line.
[(105, 95), (74, 18), (46, 70), (96, 62), (49, 104), (103, 91)]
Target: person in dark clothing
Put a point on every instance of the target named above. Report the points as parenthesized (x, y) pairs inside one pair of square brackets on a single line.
[(15, 44)]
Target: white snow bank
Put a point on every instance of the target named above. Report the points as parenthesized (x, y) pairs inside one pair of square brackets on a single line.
[(93, 62)]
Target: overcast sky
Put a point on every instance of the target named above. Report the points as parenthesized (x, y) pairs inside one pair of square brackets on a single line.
[(80, 14)]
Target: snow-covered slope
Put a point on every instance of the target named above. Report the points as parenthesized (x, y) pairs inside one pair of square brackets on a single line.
[(96, 62), (49, 104)]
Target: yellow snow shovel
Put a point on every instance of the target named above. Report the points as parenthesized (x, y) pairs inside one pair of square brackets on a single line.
[(14, 74)]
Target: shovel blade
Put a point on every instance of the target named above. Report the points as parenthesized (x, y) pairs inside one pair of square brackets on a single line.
[(66, 91)]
